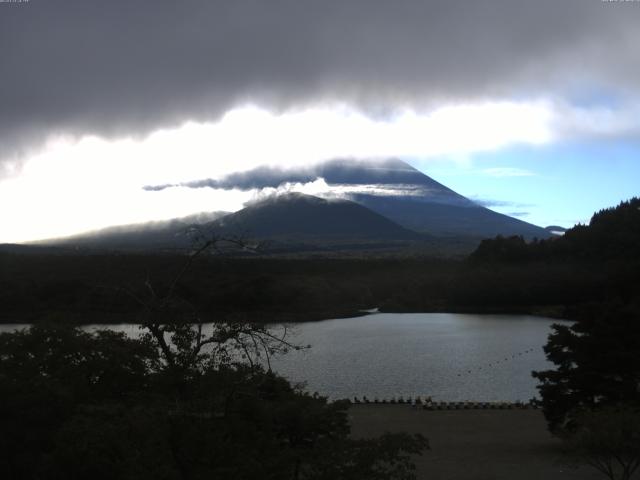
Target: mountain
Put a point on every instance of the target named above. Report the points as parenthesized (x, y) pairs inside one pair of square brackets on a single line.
[(393, 189), (291, 222), (295, 217), (389, 201), (162, 234)]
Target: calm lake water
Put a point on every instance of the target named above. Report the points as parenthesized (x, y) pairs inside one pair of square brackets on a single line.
[(450, 357)]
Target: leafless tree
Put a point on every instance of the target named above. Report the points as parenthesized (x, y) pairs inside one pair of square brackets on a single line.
[(186, 341)]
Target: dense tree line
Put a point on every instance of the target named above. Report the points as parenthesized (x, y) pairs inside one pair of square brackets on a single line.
[(612, 234), (89, 289)]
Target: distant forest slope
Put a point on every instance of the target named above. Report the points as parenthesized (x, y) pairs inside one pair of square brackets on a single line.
[(608, 249), (151, 236), (95, 288), (612, 234), (565, 277)]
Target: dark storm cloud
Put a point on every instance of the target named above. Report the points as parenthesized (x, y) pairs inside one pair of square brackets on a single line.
[(127, 67)]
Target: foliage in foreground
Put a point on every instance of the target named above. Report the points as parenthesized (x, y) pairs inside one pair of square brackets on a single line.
[(608, 439), (592, 399), (597, 364), (78, 405)]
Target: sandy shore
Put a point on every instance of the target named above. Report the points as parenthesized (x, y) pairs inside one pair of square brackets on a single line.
[(475, 444)]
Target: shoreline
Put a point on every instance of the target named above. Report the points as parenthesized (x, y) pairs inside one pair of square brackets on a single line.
[(556, 312)]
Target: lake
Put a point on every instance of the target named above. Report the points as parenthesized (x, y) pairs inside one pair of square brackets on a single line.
[(450, 357)]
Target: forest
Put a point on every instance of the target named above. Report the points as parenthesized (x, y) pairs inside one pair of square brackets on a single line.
[(559, 277)]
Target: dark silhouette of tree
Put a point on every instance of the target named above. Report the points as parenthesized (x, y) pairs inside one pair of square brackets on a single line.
[(609, 440), (503, 249), (597, 364), (47, 372)]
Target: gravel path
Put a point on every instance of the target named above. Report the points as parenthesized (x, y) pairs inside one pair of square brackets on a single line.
[(475, 444)]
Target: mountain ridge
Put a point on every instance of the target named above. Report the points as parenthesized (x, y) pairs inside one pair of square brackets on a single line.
[(297, 215), (392, 188), (390, 201)]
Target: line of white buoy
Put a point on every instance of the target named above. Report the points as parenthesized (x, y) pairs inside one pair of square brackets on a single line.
[(427, 403), (495, 363)]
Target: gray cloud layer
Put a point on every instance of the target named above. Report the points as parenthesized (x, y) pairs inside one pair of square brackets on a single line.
[(127, 67)]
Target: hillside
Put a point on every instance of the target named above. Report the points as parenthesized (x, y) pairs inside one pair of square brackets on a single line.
[(297, 217), (150, 236)]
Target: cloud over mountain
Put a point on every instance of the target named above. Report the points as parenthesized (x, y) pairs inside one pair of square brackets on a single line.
[(122, 68)]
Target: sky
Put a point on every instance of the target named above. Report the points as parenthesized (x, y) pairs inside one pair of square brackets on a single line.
[(531, 108)]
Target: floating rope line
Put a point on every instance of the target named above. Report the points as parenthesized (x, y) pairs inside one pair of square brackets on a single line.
[(427, 403), (497, 362)]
